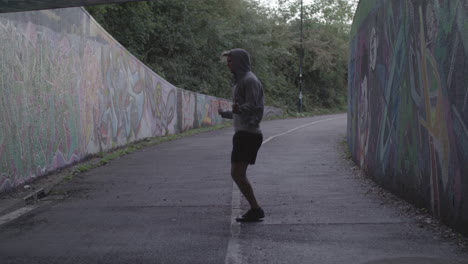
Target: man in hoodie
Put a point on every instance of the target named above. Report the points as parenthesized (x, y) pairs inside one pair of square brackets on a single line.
[(247, 112)]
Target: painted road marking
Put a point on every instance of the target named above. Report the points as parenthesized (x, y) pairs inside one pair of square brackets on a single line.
[(233, 254), (233, 250), (299, 127)]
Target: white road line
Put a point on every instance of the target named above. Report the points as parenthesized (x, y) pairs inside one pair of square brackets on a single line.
[(15, 214), (299, 127), (233, 254)]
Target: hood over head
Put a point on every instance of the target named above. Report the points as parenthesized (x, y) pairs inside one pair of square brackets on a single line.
[(240, 62)]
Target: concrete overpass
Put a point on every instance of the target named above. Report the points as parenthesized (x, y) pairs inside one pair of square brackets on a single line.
[(8, 6)]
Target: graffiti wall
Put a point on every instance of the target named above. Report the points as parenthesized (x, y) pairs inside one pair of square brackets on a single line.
[(7, 6), (408, 101), (68, 90)]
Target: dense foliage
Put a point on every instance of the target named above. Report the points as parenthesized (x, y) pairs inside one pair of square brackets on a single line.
[(182, 40)]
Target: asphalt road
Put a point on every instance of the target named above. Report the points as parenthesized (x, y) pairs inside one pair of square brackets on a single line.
[(174, 203)]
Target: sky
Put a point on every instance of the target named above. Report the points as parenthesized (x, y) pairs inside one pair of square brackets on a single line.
[(274, 2)]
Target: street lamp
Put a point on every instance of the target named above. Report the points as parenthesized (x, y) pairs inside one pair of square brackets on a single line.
[(301, 59)]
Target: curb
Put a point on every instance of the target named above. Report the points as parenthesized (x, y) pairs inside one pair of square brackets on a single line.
[(31, 198)]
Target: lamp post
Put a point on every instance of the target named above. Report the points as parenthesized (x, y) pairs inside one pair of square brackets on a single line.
[(301, 59)]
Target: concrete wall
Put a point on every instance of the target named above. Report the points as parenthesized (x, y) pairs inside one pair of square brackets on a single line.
[(408, 101), (68, 90), (7, 6)]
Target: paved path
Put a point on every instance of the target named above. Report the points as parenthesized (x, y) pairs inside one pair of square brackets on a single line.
[(174, 203)]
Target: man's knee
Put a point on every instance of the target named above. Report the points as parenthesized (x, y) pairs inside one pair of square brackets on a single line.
[(238, 171)]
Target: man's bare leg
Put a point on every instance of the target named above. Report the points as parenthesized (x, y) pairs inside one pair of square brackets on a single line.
[(239, 175)]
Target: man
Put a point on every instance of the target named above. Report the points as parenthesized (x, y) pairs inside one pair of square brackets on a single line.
[(247, 112)]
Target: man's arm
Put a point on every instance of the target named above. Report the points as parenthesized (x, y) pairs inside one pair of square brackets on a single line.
[(225, 114), (253, 90)]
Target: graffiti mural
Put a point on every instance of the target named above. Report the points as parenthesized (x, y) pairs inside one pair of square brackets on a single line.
[(69, 90), (408, 101)]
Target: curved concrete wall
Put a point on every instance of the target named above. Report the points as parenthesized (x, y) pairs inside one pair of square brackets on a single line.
[(7, 6), (408, 101), (68, 90)]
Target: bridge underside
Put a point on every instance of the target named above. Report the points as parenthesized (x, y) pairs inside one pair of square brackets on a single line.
[(7, 6)]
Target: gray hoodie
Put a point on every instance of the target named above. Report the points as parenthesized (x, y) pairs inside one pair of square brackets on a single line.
[(247, 93)]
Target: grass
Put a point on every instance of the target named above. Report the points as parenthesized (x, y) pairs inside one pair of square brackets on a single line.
[(345, 146), (103, 158)]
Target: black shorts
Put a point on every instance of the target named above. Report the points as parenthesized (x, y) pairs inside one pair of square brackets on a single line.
[(245, 146)]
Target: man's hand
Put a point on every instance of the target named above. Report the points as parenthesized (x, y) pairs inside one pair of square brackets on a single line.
[(235, 108)]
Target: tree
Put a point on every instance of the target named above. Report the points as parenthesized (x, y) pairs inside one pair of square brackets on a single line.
[(182, 40)]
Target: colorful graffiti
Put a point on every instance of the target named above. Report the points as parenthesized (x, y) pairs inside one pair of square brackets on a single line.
[(69, 90), (408, 101), (28, 5)]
